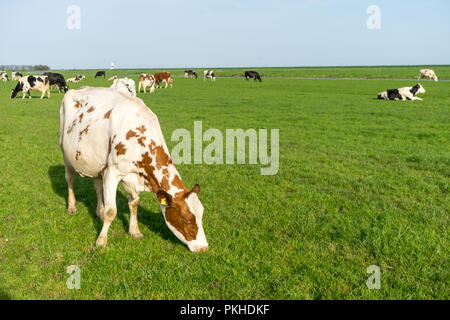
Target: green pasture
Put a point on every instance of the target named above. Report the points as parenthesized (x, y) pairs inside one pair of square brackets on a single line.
[(361, 182)]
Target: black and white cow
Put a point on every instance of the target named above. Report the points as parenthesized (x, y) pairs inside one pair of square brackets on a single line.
[(405, 93), (4, 76), (252, 74), (99, 74), (27, 83), (16, 75), (190, 74), (57, 79), (209, 74)]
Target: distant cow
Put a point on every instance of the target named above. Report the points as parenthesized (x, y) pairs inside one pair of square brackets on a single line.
[(125, 85), (405, 93), (4, 76), (427, 73), (116, 139), (57, 79), (209, 74), (16, 75), (252, 74), (113, 78), (190, 74), (146, 80), (27, 83), (163, 77), (99, 74), (76, 79)]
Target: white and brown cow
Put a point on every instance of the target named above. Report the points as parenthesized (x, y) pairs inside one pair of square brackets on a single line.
[(28, 83), (114, 139), (427, 73), (146, 80), (165, 77), (125, 85)]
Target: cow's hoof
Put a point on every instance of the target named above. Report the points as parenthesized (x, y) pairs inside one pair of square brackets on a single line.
[(101, 242), (72, 210), (137, 235)]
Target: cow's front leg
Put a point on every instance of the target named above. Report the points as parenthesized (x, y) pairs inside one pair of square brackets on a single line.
[(110, 182), (98, 184), (71, 201), (417, 98), (133, 204)]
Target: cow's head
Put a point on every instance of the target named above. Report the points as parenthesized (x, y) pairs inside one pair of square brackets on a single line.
[(18, 88), (420, 89), (184, 214)]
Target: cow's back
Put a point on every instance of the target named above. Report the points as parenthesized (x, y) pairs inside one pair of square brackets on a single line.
[(95, 129)]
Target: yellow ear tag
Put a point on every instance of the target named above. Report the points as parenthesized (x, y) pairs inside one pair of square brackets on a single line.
[(164, 201)]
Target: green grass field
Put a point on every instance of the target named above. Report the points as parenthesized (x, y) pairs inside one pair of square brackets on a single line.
[(361, 182)]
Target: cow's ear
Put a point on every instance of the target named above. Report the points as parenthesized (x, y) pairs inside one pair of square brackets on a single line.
[(196, 189), (164, 198)]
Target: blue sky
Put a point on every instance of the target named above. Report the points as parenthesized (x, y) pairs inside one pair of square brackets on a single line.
[(226, 33)]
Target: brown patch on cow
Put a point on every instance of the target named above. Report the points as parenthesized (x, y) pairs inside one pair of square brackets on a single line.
[(90, 109), (165, 184), (120, 148), (130, 134), (141, 129), (80, 117), (182, 219), (109, 148), (77, 105), (146, 165), (69, 130), (77, 155), (176, 181), (162, 158), (165, 172), (84, 131), (107, 115), (141, 140)]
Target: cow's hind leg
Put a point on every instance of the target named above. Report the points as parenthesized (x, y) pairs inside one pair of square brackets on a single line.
[(98, 184), (110, 182), (71, 202)]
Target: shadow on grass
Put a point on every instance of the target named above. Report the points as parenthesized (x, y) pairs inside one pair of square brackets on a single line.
[(4, 295), (85, 193)]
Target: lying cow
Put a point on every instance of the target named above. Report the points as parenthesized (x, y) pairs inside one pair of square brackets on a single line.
[(113, 78), (427, 73), (125, 85), (114, 139), (209, 74), (57, 79), (163, 77), (76, 78), (252, 74), (27, 83), (16, 75), (146, 80), (190, 74), (100, 73), (405, 93)]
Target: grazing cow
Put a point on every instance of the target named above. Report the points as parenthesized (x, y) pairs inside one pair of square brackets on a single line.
[(115, 139), (209, 74), (100, 73), (427, 73), (113, 78), (57, 79), (163, 77), (16, 75), (405, 93), (4, 77), (146, 80), (190, 74), (252, 74), (27, 83), (125, 85)]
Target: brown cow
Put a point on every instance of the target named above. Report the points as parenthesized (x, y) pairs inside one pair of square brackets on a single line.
[(163, 77)]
